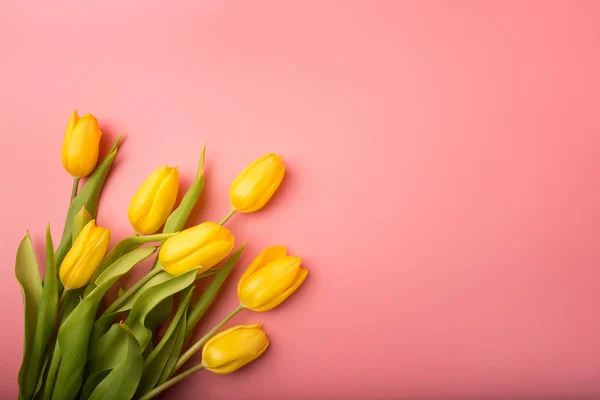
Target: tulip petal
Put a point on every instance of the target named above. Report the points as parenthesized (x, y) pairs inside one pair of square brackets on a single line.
[(83, 148), (142, 202), (162, 203), (67, 140), (233, 348), (255, 185), (205, 257), (269, 254), (302, 274), (269, 282), (187, 241)]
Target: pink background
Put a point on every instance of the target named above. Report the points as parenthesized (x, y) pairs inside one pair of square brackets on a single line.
[(443, 177)]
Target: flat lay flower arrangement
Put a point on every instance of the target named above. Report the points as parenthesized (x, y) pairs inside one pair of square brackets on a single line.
[(76, 349)]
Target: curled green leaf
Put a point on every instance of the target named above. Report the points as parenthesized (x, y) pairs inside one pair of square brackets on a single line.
[(28, 275), (149, 300), (122, 381)]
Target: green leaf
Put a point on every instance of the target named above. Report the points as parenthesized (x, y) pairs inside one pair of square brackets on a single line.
[(79, 221), (150, 299), (28, 275), (107, 352), (121, 383), (204, 302), (155, 363), (157, 279), (71, 301), (160, 313), (123, 247), (74, 334), (50, 379), (37, 393), (179, 217), (46, 322), (101, 326), (175, 352), (91, 383), (89, 195)]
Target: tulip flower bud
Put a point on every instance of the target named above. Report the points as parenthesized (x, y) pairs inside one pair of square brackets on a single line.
[(233, 348), (154, 200), (81, 144), (270, 279), (255, 185), (202, 246), (84, 257)]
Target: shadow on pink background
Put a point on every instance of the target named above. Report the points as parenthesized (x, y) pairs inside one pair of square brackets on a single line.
[(443, 184)]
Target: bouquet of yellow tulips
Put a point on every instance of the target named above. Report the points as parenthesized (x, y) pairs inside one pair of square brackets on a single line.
[(76, 349)]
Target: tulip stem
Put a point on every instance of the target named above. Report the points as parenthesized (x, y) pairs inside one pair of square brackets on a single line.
[(75, 188), (198, 345), (176, 379), (131, 291), (61, 299), (228, 216)]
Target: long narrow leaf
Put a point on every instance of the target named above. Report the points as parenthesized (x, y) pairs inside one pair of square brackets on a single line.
[(71, 301), (175, 352), (28, 275), (204, 302), (46, 322), (179, 217)]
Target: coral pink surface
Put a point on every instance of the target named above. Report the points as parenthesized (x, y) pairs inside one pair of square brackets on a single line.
[(443, 177)]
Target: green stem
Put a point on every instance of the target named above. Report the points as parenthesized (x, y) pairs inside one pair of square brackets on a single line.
[(198, 345), (228, 216), (176, 379), (75, 188), (61, 299), (131, 291)]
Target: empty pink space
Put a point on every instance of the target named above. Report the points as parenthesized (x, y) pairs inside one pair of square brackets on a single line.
[(443, 183)]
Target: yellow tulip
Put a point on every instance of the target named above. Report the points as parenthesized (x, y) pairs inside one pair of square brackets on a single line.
[(233, 348), (154, 200), (202, 246), (81, 144), (270, 279), (85, 255), (255, 185)]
